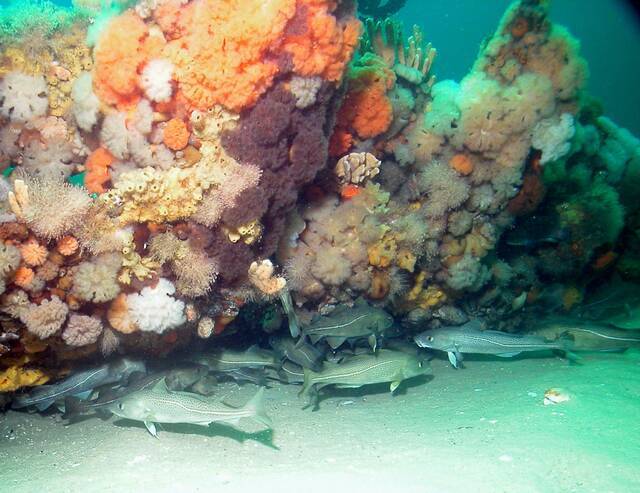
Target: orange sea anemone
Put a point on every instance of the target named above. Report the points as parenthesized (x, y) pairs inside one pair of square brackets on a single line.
[(462, 164), (33, 253), (97, 170), (67, 245), (175, 134), (118, 315), (23, 276)]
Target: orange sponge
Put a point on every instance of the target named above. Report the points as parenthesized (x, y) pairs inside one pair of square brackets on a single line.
[(122, 49), (175, 134), (462, 164), (97, 170), (326, 46), (225, 52)]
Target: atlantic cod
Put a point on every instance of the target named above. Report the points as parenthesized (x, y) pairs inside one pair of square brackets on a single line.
[(300, 352), (360, 322), (366, 369), (588, 336), (160, 405), (456, 341), (225, 360), (80, 383)]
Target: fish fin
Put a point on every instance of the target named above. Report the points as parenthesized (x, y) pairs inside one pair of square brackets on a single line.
[(44, 405), (373, 342), (301, 342), (256, 407), (394, 385), (508, 355), (314, 338), (161, 386), (571, 356), (72, 408), (335, 342), (84, 395), (455, 359), (151, 428), (307, 385)]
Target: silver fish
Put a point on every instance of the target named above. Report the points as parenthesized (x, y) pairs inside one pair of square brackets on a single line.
[(79, 384), (366, 369), (160, 405), (459, 340)]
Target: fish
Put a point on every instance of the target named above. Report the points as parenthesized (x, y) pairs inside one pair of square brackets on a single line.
[(227, 360), (182, 378), (588, 336), (299, 352), (291, 373), (362, 321), (384, 366), (456, 341), (160, 405), (107, 395), (80, 384), (241, 375), (205, 386), (535, 232)]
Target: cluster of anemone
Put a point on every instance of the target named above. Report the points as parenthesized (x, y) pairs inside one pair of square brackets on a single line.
[(157, 157)]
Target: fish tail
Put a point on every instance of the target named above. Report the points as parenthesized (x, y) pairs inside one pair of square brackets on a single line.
[(256, 407)]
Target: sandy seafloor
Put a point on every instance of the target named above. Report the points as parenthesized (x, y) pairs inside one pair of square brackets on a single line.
[(481, 429)]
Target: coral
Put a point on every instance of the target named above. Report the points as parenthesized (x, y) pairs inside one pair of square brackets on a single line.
[(86, 104), (357, 167), (305, 90), (462, 164), (366, 108), (468, 273), (325, 45), (97, 280), (119, 317), (45, 319), (175, 134), (9, 259), (23, 277), (16, 377), (97, 170), (37, 204), (331, 267), (82, 330), (445, 189), (552, 137), (23, 97), (236, 38), (411, 62), (262, 276), (122, 49), (154, 309), (115, 135), (155, 80), (33, 253)]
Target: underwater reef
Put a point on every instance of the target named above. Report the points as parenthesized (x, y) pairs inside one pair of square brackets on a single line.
[(177, 171)]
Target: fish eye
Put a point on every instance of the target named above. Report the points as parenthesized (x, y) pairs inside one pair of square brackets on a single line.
[(121, 406), (430, 338)]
